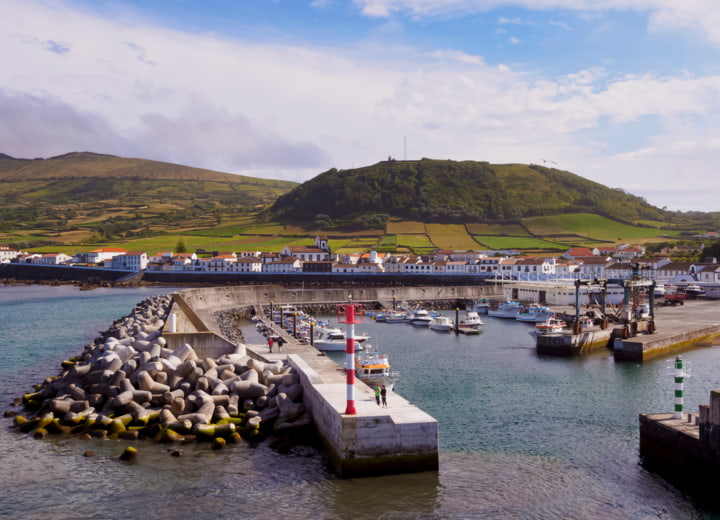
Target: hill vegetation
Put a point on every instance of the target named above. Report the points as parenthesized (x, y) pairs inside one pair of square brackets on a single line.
[(82, 201), (80, 197), (454, 192)]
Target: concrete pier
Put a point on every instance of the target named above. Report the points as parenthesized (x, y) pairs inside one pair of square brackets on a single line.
[(398, 439), (678, 328), (686, 450)]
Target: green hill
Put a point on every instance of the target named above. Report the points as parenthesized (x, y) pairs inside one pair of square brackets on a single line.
[(79, 196), (460, 192)]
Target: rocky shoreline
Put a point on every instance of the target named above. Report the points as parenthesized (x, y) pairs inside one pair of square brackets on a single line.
[(127, 384)]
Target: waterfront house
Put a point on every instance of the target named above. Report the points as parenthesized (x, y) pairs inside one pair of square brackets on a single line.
[(52, 259), (593, 267), (105, 254), (248, 264), (132, 261), (8, 254), (222, 262), (321, 266), (303, 253), (628, 252), (288, 264), (415, 265), (710, 274), (577, 252)]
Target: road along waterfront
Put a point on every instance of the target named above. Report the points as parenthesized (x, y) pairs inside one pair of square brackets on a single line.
[(521, 436)]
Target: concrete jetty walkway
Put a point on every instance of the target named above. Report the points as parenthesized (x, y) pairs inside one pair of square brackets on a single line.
[(398, 439)]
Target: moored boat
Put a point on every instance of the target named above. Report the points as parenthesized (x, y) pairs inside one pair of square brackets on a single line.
[(334, 340), (552, 325), (694, 291), (420, 318), (534, 313), (470, 320), (508, 309), (480, 306), (374, 369), (442, 324)]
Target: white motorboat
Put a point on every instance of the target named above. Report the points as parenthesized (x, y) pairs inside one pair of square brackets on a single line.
[(470, 319), (442, 324), (534, 313), (396, 317), (334, 340), (507, 310), (420, 318), (374, 369), (694, 291)]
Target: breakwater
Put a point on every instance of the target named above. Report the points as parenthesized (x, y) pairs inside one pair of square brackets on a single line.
[(129, 384), (371, 442)]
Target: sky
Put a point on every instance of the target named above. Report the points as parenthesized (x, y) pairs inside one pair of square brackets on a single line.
[(622, 92)]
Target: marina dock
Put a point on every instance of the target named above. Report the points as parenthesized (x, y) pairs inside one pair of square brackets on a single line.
[(677, 328)]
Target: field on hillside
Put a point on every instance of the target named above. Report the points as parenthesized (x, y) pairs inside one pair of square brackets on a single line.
[(552, 234), (451, 236), (405, 227), (527, 243), (496, 229), (593, 227)]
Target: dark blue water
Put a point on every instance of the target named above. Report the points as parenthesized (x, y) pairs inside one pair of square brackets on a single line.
[(521, 436)]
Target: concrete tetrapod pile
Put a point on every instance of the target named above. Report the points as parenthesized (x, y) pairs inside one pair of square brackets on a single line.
[(128, 384)]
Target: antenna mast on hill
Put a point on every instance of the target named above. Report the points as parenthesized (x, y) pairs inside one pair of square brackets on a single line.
[(405, 148)]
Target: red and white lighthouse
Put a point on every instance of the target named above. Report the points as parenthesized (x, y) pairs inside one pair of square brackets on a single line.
[(350, 314)]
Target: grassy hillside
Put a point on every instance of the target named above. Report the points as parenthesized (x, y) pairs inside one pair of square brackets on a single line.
[(454, 192), (82, 201), (83, 197)]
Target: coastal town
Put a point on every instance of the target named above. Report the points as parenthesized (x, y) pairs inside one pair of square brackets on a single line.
[(601, 263)]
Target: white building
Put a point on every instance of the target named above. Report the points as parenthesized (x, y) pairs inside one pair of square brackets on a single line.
[(136, 261), (248, 264), (7, 254), (288, 264), (52, 259)]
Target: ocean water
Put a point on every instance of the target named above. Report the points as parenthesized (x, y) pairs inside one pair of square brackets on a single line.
[(521, 436)]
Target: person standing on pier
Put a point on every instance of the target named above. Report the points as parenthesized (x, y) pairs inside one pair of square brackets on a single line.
[(383, 395), (377, 394), (270, 343)]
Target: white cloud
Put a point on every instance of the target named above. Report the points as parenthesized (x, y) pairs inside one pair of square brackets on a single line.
[(121, 86), (699, 15)]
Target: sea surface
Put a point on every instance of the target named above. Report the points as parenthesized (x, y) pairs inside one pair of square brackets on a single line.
[(522, 436)]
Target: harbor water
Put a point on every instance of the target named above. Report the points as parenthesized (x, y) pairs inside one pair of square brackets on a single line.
[(521, 436)]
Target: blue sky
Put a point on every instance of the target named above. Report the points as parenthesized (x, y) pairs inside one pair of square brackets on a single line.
[(623, 92)]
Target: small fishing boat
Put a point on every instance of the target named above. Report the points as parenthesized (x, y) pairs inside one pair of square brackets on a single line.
[(507, 310), (552, 325), (374, 369), (442, 324), (481, 306), (534, 313)]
